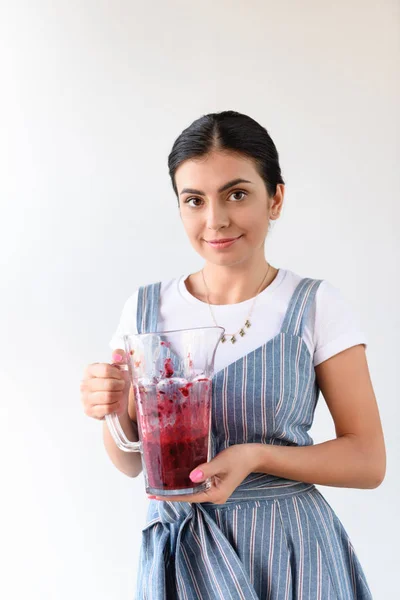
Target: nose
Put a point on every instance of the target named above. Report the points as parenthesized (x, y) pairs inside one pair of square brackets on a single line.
[(217, 216)]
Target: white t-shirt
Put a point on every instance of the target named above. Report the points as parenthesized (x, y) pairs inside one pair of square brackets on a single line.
[(331, 325)]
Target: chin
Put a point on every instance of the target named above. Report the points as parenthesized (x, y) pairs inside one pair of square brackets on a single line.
[(226, 261)]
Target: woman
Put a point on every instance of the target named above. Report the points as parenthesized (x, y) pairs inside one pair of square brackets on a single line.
[(263, 530)]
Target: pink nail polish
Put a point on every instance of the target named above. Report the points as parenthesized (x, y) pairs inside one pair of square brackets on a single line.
[(117, 357), (197, 475)]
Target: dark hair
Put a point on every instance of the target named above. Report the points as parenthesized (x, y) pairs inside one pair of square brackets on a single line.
[(229, 131)]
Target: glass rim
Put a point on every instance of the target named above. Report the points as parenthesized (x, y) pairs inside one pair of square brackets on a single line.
[(126, 336)]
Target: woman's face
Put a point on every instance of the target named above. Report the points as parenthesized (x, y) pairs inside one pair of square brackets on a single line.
[(215, 205)]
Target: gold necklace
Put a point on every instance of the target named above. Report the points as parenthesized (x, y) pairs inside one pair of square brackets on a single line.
[(247, 324)]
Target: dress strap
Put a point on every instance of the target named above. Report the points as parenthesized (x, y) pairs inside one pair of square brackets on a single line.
[(147, 308), (299, 305)]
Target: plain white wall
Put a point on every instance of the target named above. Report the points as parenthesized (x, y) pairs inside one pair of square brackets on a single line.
[(93, 95)]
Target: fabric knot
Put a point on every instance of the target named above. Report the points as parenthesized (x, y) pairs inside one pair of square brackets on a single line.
[(172, 512)]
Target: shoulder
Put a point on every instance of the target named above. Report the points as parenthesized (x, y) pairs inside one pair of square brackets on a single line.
[(327, 295), (335, 322), (165, 290), (145, 291), (331, 301), (164, 285), (332, 323), (304, 286)]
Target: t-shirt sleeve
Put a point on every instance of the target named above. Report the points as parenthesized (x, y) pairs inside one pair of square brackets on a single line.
[(336, 324), (127, 322)]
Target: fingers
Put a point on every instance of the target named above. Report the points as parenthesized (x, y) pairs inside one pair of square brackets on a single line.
[(101, 397), (99, 411), (98, 404), (102, 370), (103, 388), (99, 384)]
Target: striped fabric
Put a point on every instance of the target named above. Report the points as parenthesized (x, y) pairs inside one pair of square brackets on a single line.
[(274, 539)]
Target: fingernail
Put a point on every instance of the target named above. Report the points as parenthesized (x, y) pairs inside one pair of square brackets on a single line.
[(197, 475), (117, 357)]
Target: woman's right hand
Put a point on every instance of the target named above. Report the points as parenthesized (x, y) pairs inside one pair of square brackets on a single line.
[(105, 388)]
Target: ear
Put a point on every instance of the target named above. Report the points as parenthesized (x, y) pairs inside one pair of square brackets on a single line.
[(277, 201)]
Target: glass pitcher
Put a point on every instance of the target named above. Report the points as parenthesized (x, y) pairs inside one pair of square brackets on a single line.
[(171, 374)]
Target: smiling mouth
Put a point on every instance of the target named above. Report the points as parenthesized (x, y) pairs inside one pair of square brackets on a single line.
[(223, 240), (223, 243)]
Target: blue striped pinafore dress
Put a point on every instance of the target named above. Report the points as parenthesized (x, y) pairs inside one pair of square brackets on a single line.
[(274, 539)]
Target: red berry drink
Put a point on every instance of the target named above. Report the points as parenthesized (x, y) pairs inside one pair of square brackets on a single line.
[(174, 426)]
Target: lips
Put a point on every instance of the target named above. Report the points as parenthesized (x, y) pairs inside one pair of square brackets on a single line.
[(223, 242)]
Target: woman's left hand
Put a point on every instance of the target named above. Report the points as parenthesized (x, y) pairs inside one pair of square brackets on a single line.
[(227, 471)]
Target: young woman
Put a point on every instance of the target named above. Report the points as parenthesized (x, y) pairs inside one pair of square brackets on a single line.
[(263, 530)]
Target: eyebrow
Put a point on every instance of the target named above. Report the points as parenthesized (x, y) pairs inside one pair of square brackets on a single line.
[(226, 186)]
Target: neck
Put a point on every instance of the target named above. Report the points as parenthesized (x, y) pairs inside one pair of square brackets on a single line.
[(233, 284)]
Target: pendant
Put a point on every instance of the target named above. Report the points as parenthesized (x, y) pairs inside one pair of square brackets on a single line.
[(247, 324), (233, 339), (223, 339), (242, 332)]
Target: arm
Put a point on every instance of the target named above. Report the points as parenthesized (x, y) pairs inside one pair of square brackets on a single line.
[(129, 463), (356, 458)]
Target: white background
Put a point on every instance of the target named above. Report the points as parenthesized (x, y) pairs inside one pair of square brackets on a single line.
[(93, 95)]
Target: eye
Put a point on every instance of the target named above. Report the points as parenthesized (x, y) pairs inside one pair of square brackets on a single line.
[(189, 199), (232, 194), (239, 192)]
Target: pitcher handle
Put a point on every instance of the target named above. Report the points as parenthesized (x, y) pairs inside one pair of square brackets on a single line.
[(114, 426)]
